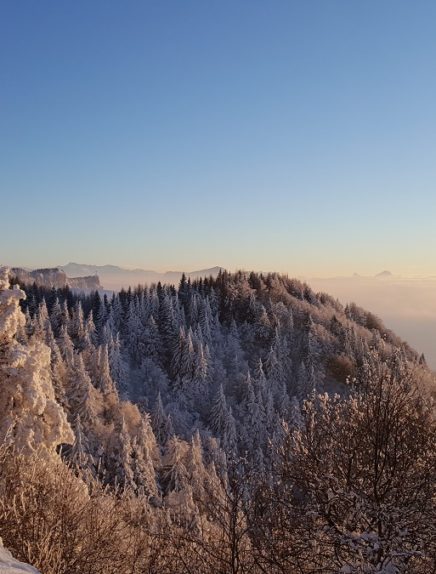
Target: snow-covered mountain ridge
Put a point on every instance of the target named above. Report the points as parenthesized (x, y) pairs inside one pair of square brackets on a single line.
[(165, 426)]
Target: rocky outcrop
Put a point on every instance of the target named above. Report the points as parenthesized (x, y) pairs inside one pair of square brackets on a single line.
[(51, 277), (54, 277)]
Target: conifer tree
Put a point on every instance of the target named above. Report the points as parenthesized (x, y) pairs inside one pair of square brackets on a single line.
[(79, 455), (118, 366), (222, 421), (175, 476), (30, 417), (66, 346), (104, 380), (81, 396), (161, 424), (143, 452), (56, 317), (121, 456)]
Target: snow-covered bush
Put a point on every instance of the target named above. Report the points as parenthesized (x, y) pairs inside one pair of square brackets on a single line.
[(362, 469)]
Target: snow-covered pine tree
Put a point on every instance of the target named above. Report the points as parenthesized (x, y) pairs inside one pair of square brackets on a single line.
[(30, 417)]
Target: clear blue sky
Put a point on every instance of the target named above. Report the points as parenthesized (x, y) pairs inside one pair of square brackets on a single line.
[(296, 136)]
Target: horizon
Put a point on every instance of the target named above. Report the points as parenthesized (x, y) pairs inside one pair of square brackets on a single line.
[(382, 274)]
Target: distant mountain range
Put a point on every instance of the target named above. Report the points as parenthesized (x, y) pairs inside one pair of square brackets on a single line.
[(114, 278)]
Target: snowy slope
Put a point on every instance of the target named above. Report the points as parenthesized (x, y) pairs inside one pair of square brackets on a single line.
[(8, 564)]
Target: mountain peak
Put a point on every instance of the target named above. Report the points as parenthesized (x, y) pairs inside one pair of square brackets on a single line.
[(384, 274)]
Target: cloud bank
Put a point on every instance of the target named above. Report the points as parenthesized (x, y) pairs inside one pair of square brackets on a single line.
[(407, 306)]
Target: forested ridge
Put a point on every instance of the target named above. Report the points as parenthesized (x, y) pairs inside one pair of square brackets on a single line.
[(241, 423)]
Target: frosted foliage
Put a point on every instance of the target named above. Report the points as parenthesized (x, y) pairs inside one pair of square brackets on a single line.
[(29, 413), (11, 317)]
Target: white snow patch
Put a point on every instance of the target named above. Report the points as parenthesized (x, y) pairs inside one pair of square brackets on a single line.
[(8, 564)]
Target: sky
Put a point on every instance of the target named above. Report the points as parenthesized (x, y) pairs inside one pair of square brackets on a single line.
[(281, 135)]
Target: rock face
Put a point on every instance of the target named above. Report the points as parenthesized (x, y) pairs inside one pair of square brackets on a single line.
[(54, 277), (42, 277), (8, 564)]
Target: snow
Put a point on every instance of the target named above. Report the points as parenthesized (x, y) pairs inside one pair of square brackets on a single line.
[(8, 564), (29, 413)]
